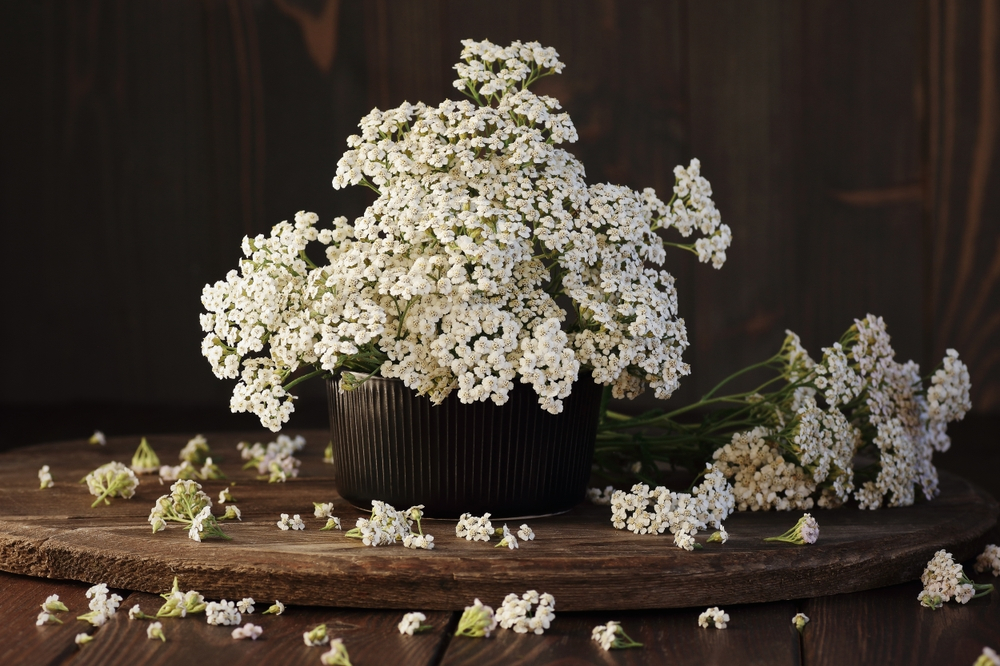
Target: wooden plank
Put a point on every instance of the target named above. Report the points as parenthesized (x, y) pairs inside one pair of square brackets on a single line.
[(578, 557), (857, 242), (890, 626), (371, 637), (963, 196), (757, 634), (24, 642)]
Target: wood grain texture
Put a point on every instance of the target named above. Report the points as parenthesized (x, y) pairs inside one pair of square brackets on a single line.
[(578, 557), (23, 641), (371, 637), (756, 635), (889, 626)]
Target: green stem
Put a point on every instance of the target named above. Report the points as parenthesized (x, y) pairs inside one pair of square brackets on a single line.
[(303, 378)]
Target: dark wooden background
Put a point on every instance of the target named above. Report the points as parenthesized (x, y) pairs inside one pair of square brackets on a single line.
[(852, 147)]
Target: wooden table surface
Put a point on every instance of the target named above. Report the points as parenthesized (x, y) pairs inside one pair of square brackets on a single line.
[(880, 626)]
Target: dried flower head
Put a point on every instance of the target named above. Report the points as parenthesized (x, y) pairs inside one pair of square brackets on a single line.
[(989, 560), (944, 580)]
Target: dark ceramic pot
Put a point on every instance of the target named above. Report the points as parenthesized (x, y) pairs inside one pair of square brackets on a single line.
[(514, 460)]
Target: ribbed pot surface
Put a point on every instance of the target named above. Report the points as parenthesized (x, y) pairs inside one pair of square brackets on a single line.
[(513, 460)]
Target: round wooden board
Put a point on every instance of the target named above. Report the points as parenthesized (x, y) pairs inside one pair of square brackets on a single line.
[(578, 557)]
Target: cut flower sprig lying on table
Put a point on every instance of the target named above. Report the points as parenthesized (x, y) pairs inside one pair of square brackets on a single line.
[(454, 279), (190, 506), (111, 480), (856, 424)]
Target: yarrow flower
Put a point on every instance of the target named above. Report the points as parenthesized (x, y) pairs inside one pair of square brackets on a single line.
[(683, 514), (713, 615), (386, 526), (472, 528), (721, 536), (989, 559), (806, 530), (337, 655), (103, 605), (155, 630), (196, 451), (600, 497), (190, 506), (477, 621), (53, 605), (98, 438), (225, 496), (275, 609), (145, 460), (525, 533), (45, 617), (989, 657), (248, 630), (944, 580), (611, 636), (506, 538), (181, 604), (245, 605), (293, 523), (276, 461), (83, 638), (222, 613), (135, 613), (800, 620), (530, 612), (44, 478), (316, 636), (449, 279), (413, 623), (111, 480)]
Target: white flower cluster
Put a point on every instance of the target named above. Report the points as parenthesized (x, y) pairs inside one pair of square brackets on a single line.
[(190, 506), (44, 478), (222, 613), (248, 630), (196, 450), (449, 280), (293, 523), (473, 528), (944, 579), (873, 405), (530, 612), (103, 605), (761, 477), (600, 497), (684, 514), (325, 510), (905, 425), (412, 623), (277, 459), (386, 526), (112, 479), (713, 616), (989, 560), (50, 607)]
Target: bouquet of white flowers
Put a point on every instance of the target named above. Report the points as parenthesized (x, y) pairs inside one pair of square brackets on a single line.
[(486, 258)]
